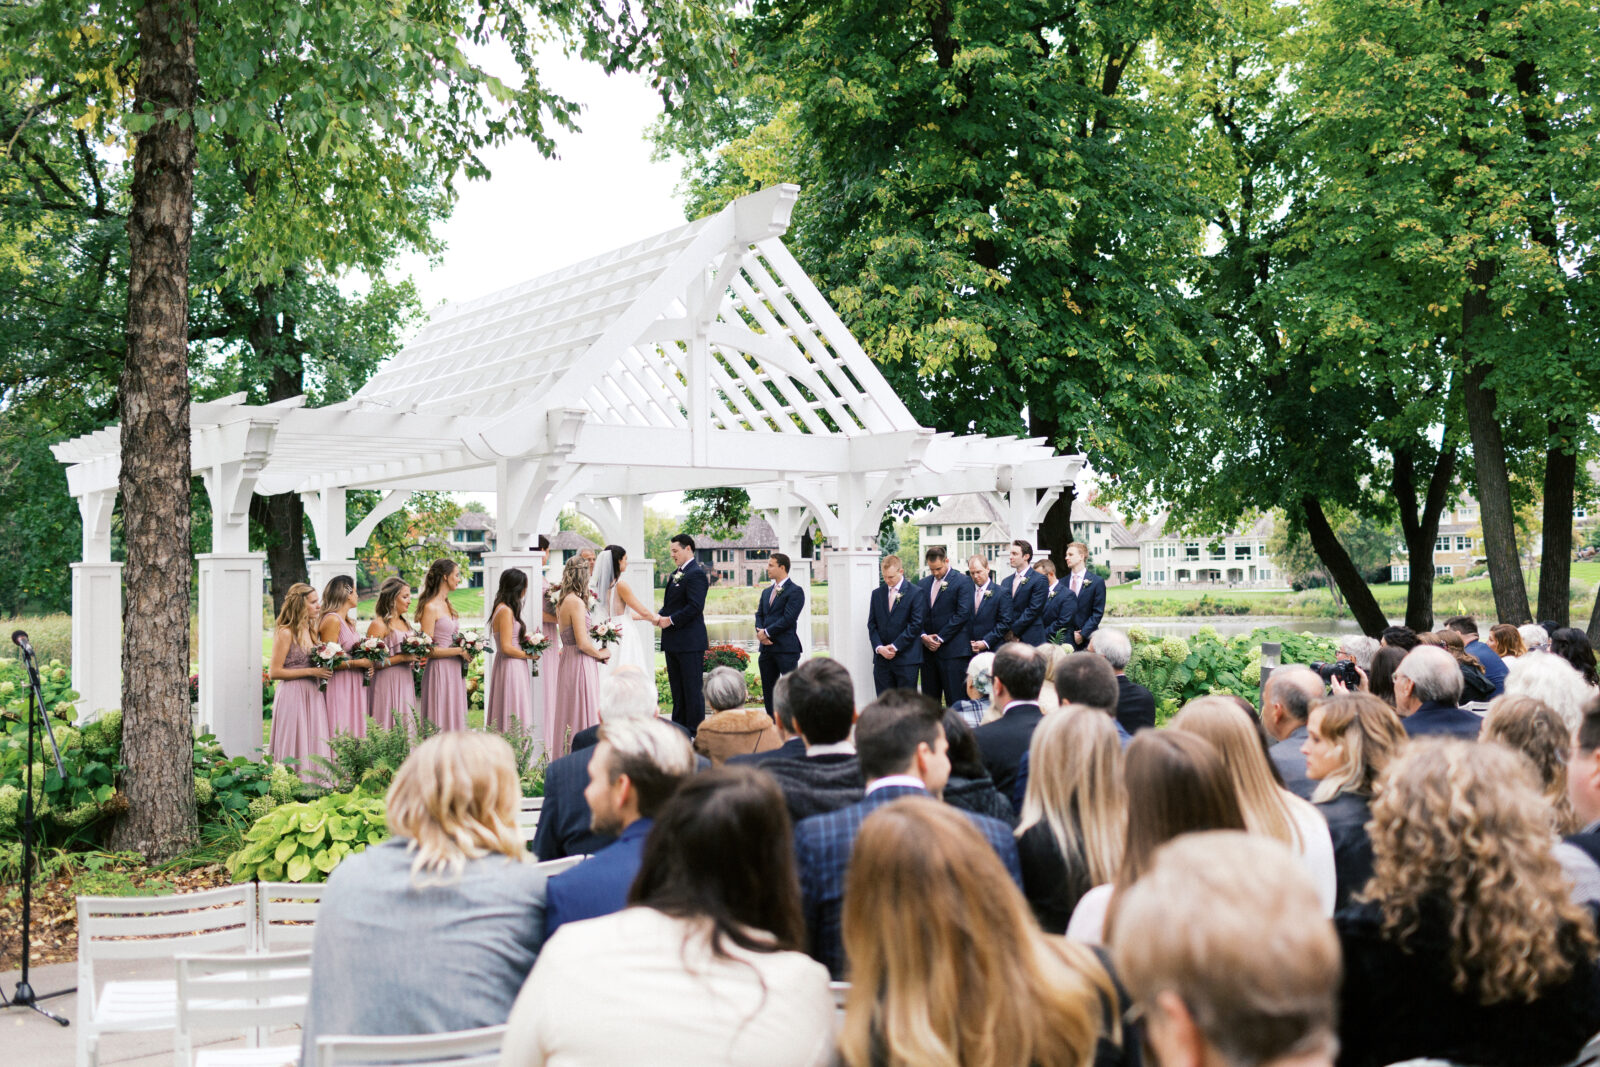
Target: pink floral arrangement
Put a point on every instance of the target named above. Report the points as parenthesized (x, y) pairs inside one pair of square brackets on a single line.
[(475, 642), (534, 645), (330, 655), (418, 645), (375, 650), (605, 633)]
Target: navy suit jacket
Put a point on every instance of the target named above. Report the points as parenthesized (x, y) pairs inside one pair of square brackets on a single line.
[(949, 616), (1494, 668), (1447, 719), (991, 618), (1060, 606), (901, 627), (564, 820), (794, 748), (599, 885), (1091, 606), (1004, 742), (779, 616), (823, 844), (1027, 606), (685, 600)]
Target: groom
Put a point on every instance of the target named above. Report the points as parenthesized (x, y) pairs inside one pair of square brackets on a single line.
[(683, 633)]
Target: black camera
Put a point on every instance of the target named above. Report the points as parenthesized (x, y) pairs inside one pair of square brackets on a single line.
[(1342, 669)]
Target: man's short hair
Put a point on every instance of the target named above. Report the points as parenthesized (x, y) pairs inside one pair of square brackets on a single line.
[(1046, 567), (1399, 637), (685, 540), (1435, 675), (655, 755), (934, 553), (1465, 625), (627, 692), (1296, 687), (977, 557), (781, 560), (1087, 678), (1257, 965), (1027, 549), (1113, 644), (891, 728), (780, 705), (1081, 547), (886, 560), (1020, 668), (822, 700), (1360, 648)]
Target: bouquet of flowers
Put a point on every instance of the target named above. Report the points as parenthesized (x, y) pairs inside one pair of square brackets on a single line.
[(606, 632), (375, 650), (331, 656), (534, 645), (475, 642), (418, 645)]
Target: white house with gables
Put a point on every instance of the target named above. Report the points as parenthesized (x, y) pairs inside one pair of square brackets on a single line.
[(1234, 560), (975, 524)]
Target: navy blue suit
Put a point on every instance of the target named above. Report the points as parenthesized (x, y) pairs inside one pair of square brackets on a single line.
[(1027, 605), (684, 643), (794, 748), (599, 885), (991, 616), (900, 627), (1447, 719), (1494, 668), (1090, 608), (1059, 608), (564, 820), (944, 672), (822, 845), (778, 613)]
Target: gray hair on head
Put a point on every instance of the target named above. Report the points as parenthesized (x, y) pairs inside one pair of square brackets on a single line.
[(1435, 675), (628, 693), (1113, 644), (1360, 648), (980, 674), (725, 688)]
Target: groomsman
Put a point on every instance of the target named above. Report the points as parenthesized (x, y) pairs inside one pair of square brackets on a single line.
[(777, 630), (683, 633), (894, 626), (1059, 603), (1089, 589), (946, 648), (1025, 589), (991, 609)]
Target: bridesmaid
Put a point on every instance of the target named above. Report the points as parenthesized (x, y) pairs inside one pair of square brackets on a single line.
[(444, 686), (394, 696), (347, 696), (578, 692), (550, 663), (511, 687), (299, 713)]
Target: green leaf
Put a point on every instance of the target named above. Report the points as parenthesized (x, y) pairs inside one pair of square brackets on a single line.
[(298, 868), (286, 848)]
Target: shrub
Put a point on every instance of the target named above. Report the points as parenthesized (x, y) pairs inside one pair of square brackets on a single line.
[(369, 763), (227, 790), (663, 689), (71, 811), (1176, 671), (304, 842)]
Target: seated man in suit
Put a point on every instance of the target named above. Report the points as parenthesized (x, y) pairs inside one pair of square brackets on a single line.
[(945, 644), (991, 608), (636, 767), (894, 626), (1089, 591), (1285, 708), (904, 752), (1026, 591), (821, 700), (1136, 705), (1427, 694), (1017, 675), (794, 746), (777, 626)]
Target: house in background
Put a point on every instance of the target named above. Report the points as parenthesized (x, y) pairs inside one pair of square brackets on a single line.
[(566, 544), (742, 558), (1234, 560), (972, 524), (473, 534), (1457, 547)]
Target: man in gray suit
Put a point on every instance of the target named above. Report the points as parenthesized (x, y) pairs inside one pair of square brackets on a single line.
[(1285, 707)]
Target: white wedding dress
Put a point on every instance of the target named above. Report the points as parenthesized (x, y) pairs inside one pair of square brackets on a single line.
[(638, 644)]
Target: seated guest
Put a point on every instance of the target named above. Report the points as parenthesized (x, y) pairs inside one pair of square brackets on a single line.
[(1176, 784), (1253, 979), (1285, 706), (636, 767), (1466, 947), (821, 700), (1427, 690), (1572, 645), (1075, 814), (1527, 726), (964, 977), (1506, 640), (448, 903), (1494, 668), (1580, 852), (729, 729), (1086, 680), (792, 745), (1358, 649), (1136, 705), (1350, 740), (1018, 673), (1401, 637), (1534, 637), (970, 788), (702, 966), (903, 751), (974, 710), (565, 826), (1049, 700), (1476, 688), (1380, 680), (1268, 808), (1553, 682)]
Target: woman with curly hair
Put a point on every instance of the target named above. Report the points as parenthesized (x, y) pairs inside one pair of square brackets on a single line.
[(1530, 727), (1465, 946), (1350, 740)]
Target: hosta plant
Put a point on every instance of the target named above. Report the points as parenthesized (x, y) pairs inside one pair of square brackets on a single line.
[(305, 842)]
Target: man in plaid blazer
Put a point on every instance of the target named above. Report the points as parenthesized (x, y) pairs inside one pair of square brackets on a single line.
[(901, 745)]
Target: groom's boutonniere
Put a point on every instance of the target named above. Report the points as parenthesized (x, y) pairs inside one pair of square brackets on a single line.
[(675, 576), (989, 592), (1052, 595)]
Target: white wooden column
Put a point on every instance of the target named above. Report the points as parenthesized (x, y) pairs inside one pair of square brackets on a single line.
[(97, 611), (232, 606), (852, 576)]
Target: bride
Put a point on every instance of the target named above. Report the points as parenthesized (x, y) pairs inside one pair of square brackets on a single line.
[(615, 599)]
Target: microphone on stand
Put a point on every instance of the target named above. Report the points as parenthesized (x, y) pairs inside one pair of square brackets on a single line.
[(20, 639)]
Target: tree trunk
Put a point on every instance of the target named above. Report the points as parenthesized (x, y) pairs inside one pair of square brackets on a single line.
[(156, 738), (1055, 532), (283, 516), (1594, 621), (1555, 564), (1363, 605), (1494, 490), (1419, 523)]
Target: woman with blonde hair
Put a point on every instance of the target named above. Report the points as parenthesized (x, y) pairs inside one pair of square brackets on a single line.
[(1465, 946), (1530, 727), (446, 904), (299, 712), (578, 675), (966, 977), (1269, 809), (1074, 813), (1049, 699), (1350, 740)]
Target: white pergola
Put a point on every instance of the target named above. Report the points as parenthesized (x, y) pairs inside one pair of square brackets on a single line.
[(702, 357)]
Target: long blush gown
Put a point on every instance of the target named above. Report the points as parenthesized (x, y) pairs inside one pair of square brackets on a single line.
[(549, 678), (347, 696), (299, 716), (510, 692), (577, 692), (444, 686), (394, 695)]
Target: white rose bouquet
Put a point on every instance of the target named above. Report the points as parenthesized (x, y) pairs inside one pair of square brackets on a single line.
[(476, 644), (419, 645), (330, 655), (534, 645), (606, 633), (375, 650)]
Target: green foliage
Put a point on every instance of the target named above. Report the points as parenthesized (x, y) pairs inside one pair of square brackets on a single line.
[(719, 514), (368, 764), (408, 541), (237, 790), (304, 842), (71, 812), (1177, 671)]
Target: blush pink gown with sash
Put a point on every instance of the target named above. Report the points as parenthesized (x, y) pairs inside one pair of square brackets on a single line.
[(394, 695), (299, 715), (577, 692), (347, 696), (444, 686)]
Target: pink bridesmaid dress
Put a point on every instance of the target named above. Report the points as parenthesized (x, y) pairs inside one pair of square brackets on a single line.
[(549, 678), (577, 692), (510, 693), (299, 716), (394, 695), (444, 685), (347, 696)]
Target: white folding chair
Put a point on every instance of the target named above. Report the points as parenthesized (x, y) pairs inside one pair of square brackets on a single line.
[(551, 868), (243, 994), (287, 914), (150, 928), (462, 1048), (841, 993), (528, 813)]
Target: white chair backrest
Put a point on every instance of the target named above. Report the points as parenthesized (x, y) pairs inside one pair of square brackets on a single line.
[(531, 804), (288, 913), (462, 1048), (551, 868), (528, 817), (241, 994)]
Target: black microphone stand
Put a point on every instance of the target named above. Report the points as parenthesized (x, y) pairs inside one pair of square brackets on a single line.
[(25, 996)]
